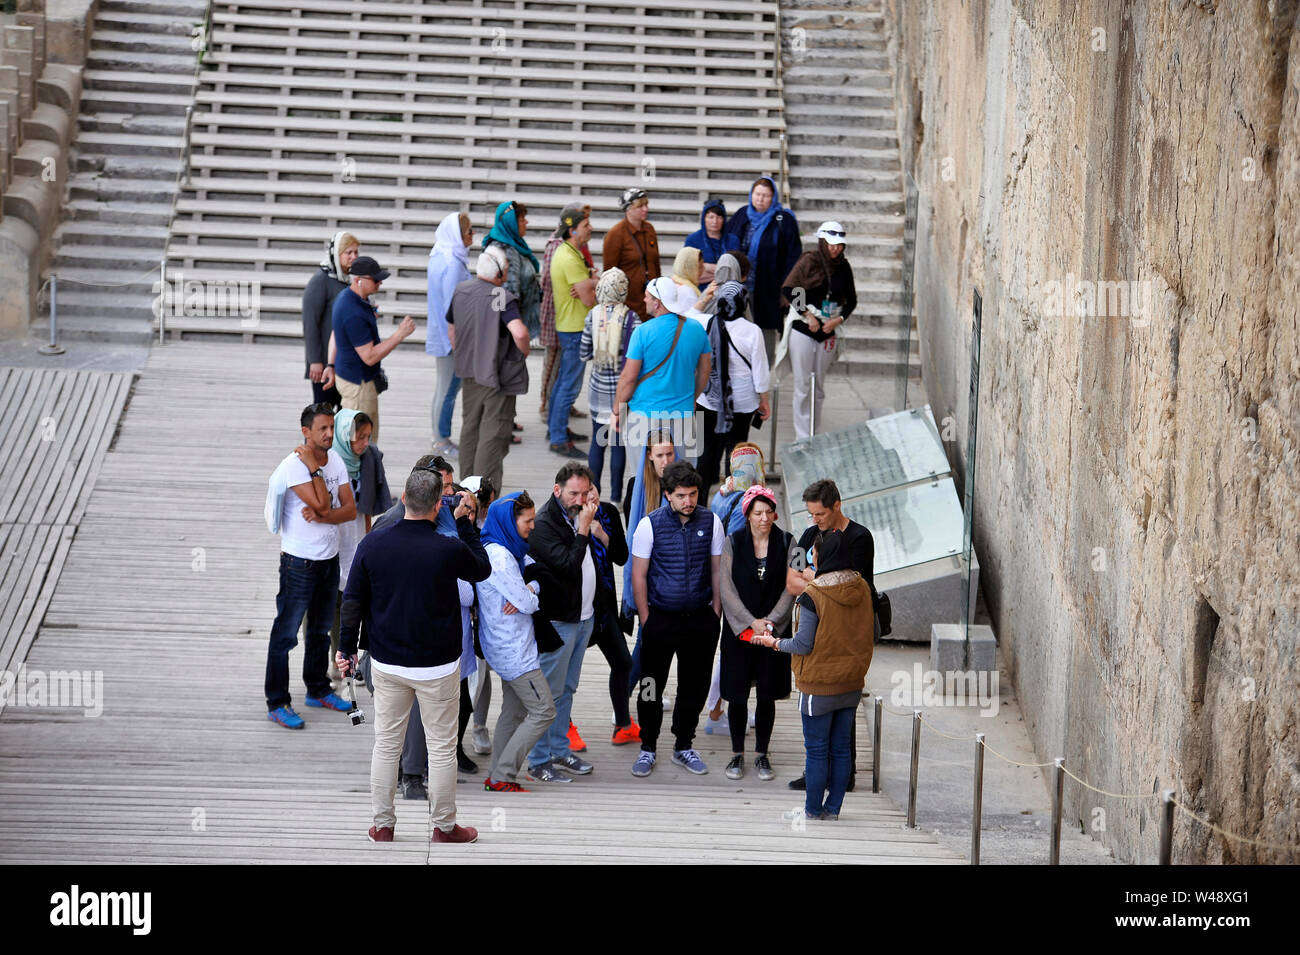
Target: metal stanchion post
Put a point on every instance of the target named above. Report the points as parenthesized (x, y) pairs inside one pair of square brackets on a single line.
[(916, 762), (162, 312), (53, 348), (1167, 827), (1058, 791), (979, 800), (772, 421), (812, 404), (875, 748)]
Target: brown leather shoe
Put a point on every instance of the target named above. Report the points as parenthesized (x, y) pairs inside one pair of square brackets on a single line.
[(457, 834)]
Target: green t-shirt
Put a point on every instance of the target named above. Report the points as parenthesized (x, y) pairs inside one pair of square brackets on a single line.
[(568, 268)]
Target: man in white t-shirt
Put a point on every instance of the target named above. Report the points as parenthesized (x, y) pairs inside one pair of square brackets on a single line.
[(676, 560), (319, 498), (561, 545)]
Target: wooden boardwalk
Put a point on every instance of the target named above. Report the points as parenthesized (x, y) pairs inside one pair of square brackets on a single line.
[(168, 589)]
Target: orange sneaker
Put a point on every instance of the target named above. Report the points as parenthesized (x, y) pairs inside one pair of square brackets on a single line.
[(626, 734), (575, 741)]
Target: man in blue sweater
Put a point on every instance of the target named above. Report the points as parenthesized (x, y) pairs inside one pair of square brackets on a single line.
[(403, 586)]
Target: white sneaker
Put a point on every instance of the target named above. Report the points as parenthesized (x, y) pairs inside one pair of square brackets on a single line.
[(482, 743)]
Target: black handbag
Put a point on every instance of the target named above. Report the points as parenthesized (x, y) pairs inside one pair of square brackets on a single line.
[(381, 382), (884, 612)]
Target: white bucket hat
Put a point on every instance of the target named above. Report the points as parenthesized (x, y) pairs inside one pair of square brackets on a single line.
[(832, 232)]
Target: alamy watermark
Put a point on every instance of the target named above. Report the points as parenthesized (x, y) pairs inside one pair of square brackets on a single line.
[(212, 298), (920, 687), (75, 689), (1084, 298)]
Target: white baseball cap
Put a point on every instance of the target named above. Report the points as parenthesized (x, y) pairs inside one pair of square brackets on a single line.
[(664, 289), (832, 232)]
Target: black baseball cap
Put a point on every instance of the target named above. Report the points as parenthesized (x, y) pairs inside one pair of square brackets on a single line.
[(365, 266)]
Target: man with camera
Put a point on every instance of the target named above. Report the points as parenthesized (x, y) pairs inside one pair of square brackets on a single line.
[(403, 586)]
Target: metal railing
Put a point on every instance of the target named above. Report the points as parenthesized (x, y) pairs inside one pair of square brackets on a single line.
[(1168, 798)]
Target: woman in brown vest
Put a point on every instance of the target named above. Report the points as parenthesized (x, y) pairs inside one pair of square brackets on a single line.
[(830, 654)]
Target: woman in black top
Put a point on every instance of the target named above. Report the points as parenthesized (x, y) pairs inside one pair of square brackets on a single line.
[(318, 313), (820, 287), (754, 597)]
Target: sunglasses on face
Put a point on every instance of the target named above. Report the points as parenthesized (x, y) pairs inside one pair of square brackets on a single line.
[(838, 235)]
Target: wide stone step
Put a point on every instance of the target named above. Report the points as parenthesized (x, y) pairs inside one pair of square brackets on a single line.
[(142, 42), (875, 364), (136, 21), (149, 85), (118, 329), (130, 167), (131, 60), (150, 124), (109, 188), (78, 302), (129, 144), (135, 101), (176, 8), (860, 46), (820, 181), (95, 231), (143, 213), (126, 257), (849, 98)]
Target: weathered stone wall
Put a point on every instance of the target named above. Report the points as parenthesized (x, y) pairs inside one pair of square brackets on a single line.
[(1137, 480)]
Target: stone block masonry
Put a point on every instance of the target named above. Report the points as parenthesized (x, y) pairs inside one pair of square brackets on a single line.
[(1137, 474)]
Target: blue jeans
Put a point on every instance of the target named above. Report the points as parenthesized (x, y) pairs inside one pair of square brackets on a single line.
[(562, 668), (829, 759), (448, 406), (568, 382), (446, 384), (617, 460), (307, 587)]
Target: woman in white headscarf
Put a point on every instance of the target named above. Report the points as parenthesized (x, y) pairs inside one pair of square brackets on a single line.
[(447, 269), (604, 343), (318, 312)]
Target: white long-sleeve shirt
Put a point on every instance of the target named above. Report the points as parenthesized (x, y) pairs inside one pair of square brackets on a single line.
[(507, 639), (748, 381)]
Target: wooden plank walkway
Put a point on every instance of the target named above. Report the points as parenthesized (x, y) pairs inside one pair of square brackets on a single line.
[(55, 427), (168, 590)]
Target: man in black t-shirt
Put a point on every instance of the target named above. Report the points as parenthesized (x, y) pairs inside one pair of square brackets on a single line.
[(824, 507)]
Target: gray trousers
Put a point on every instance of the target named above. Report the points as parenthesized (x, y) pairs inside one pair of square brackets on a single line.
[(486, 419), (527, 709)]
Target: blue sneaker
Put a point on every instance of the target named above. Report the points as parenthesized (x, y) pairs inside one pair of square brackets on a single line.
[(330, 701), (644, 765), (285, 716), (690, 760)]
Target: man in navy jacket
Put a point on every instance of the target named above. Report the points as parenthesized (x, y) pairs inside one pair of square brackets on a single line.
[(403, 585)]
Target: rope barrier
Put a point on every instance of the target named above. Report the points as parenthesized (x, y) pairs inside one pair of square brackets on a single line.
[(67, 279), (1105, 792), (1232, 835), (1262, 843)]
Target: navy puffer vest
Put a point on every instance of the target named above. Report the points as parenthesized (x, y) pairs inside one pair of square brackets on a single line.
[(680, 574)]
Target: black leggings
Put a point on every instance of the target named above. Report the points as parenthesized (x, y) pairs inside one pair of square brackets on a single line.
[(608, 636), (764, 720)]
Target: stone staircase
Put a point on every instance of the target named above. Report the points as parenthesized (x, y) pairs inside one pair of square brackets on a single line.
[(844, 165), (138, 81)]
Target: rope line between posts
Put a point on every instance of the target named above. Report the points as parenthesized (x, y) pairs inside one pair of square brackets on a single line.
[(934, 729), (63, 279), (1104, 792), (1232, 835)]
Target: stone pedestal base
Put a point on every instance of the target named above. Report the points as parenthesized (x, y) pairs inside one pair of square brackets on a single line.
[(948, 648)]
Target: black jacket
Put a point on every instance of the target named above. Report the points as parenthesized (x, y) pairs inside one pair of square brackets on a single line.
[(560, 551)]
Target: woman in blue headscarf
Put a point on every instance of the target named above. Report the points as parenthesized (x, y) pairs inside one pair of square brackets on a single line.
[(506, 605), (521, 280), (768, 233), (708, 239)]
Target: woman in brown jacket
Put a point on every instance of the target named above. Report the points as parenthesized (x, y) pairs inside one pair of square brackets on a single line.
[(830, 654)]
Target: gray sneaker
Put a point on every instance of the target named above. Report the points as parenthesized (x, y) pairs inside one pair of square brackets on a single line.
[(573, 764), (690, 760), (644, 765), (482, 743), (736, 768), (546, 773), (763, 766)]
